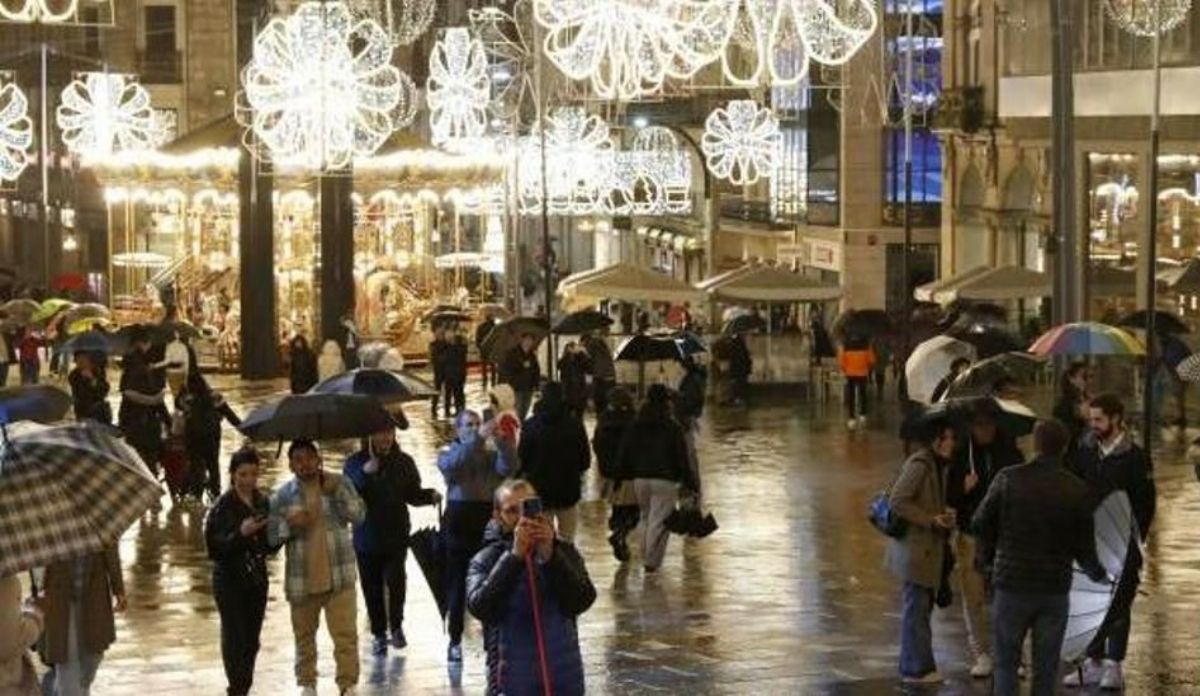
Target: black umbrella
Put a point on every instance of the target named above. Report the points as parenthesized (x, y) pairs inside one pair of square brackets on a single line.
[(317, 417), (643, 349), (744, 324), (428, 317), (428, 546), (988, 339), (448, 318), (41, 403), (687, 520), (979, 378), (1173, 351), (972, 312), (507, 334), (1011, 417), (1165, 323), (862, 323), (161, 333), (689, 343), (582, 321), (96, 342), (388, 386)]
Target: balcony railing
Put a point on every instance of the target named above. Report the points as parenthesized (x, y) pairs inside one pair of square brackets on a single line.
[(160, 68)]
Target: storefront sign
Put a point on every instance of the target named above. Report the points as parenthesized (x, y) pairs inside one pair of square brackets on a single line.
[(825, 255)]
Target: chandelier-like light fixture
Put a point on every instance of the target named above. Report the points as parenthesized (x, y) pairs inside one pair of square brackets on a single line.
[(47, 11), (16, 129), (102, 113), (628, 48), (1138, 16), (652, 178), (322, 87), (458, 88), (578, 164), (741, 142)]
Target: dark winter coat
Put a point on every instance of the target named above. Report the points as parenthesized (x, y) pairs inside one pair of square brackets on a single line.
[(655, 448), (554, 454), (437, 360), (689, 400), (88, 396), (741, 365), (1127, 469), (203, 411), (387, 494), (601, 358), (454, 362), (611, 428), (238, 561), (988, 461), (303, 372), (572, 372), (1035, 521), (498, 595), (520, 370)]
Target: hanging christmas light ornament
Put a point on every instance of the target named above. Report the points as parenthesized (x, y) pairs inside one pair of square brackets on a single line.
[(45, 11), (322, 88), (102, 113), (772, 41), (628, 48), (578, 164), (16, 129), (741, 142), (654, 177), (458, 89), (1139, 16), (404, 20)]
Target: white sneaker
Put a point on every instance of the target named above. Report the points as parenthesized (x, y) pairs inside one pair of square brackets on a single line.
[(1087, 674), (982, 669), (1112, 679), (308, 691)]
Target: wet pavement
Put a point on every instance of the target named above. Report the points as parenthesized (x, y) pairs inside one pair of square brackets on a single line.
[(789, 597)]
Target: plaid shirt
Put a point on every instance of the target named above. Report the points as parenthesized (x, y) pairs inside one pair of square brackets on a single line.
[(342, 509)]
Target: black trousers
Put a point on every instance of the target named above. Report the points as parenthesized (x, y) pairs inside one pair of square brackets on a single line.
[(463, 525), (600, 389), (242, 607), (384, 584), (204, 470), (455, 396), (1112, 642), (856, 397)]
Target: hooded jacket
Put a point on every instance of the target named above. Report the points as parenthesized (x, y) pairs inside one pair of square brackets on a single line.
[(330, 363), (655, 448), (611, 427), (498, 594)]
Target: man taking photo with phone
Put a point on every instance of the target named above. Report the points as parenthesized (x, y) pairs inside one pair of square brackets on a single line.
[(527, 587)]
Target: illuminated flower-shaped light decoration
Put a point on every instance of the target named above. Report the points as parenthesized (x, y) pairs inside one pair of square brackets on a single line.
[(101, 113), (322, 87), (741, 142), (654, 177), (578, 164), (458, 89), (628, 48), (404, 20), (1138, 16), (773, 40), (16, 131), (45, 11)]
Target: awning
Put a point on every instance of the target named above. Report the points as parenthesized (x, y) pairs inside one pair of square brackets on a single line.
[(1003, 283), (926, 292), (628, 283), (1184, 279), (755, 283)]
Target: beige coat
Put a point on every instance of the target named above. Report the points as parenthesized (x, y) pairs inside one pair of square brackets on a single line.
[(918, 495), (97, 627), (18, 631)]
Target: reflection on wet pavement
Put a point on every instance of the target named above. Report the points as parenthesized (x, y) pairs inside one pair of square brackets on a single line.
[(789, 597)]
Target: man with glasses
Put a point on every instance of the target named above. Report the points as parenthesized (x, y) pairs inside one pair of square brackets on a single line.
[(474, 465)]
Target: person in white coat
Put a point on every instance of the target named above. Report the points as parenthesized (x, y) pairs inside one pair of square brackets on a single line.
[(330, 362)]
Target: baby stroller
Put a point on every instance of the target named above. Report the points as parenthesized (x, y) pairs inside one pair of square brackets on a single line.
[(176, 471)]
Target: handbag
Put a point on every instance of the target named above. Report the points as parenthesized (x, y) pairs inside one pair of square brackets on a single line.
[(882, 517)]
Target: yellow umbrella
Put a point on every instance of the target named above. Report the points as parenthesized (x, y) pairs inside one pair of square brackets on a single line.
[(49, 309), (83, 325)]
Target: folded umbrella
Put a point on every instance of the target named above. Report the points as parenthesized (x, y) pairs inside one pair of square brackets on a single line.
[(388, 386), (66, 491), (317, 417), (507, 334), (979, 378), (930, 362), (1089, 600), (39, 402), (582, 321), (641, 348), (428, 546)]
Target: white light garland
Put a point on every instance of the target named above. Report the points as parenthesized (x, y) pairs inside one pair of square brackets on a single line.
[(458, 88), (323, 89), (404, 20), (741, 142), (102, 113), (39, 11), (578, 164), (1138, 16), (16, 129)]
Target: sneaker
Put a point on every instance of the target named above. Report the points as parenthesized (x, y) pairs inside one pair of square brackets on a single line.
[(620, 548), (1087, 674), (399, 642), (982, 669), (931, 678), (308, 691), (1112, 679), (379, 646), (454, 654)]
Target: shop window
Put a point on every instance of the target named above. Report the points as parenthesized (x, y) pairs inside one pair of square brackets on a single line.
[(927, 166)]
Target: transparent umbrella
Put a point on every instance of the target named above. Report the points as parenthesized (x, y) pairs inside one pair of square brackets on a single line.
[(1090, 600)]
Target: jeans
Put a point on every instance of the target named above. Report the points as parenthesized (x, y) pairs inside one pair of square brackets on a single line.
[(341, 618), (916, 632), (463, 524), (456, 400), (3, 374), (242, 608), (29, 372), (524, 401), (856, 397), (1112, 641), (972, 588), (656, 500), (1014, 615), (378, 572)]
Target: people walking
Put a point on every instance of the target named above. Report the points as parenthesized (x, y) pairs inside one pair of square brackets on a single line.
[(89, 390), (689, 406), (857, 360), (302, 373), (554, 455), (454, 372), (603, 369), (976, 462), (520, 370), (527, 588), (437, 362), (1110, 461), (654, 457), (20, 626), (81, 597), (387, 479), (573, 368), (235, 533), (918, 497), (611, 427), (310, 514), (741, 366), (473, 466), (203, 412), (331, 362), (142, 413), (1034, 522)]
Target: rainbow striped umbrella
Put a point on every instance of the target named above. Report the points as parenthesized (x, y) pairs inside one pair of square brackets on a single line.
[(1087, 338)]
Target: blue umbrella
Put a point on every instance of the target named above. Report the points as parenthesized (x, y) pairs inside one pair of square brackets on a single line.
[(41, 403), (95, 342)]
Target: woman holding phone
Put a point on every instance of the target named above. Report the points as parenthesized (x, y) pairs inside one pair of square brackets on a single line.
[(236, 535)]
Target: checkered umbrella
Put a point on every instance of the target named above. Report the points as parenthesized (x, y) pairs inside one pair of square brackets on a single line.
[(65, 491), (1189, 369)]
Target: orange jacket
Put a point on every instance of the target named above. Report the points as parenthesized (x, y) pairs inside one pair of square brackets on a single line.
[(857, 363)]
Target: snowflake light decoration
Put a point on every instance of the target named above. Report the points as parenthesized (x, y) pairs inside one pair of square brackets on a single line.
[(628, 48), (741, 142), (654, 177), (578, 164), (458, 89), (16, 130), (102, 113), (323, 89), (1138, 16)]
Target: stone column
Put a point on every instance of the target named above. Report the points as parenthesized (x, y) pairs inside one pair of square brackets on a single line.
[(336, 275)]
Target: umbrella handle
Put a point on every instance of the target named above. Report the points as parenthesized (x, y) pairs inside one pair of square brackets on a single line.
[(33, 584)]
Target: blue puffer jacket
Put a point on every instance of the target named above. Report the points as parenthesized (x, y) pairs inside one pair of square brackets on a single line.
[(498, 595)]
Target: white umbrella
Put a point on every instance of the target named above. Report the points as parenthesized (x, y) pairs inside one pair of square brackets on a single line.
[(930, 363), (1090, 600)]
